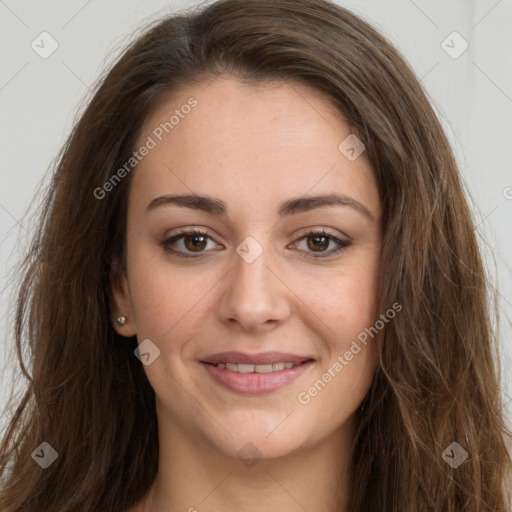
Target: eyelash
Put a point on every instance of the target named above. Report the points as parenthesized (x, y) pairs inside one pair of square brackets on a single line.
[(311, 233)]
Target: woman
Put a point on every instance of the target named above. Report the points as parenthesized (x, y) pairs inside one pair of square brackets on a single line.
[(256, 285)]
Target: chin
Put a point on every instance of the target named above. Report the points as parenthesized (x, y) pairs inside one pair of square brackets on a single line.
[(266, 436), (251, 447)]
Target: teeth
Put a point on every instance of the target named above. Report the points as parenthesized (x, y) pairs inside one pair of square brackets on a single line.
[(255, 368), (263, 368)]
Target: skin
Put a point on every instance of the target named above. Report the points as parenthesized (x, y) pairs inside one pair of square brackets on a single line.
[(251, 147)]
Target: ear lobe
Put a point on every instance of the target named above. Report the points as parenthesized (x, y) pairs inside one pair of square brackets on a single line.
[(120, 302)]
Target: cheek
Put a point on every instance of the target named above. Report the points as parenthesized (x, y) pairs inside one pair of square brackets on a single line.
[(159, 295), (161, 304), (345, 302), (167, 300), (351, 357), (358, 305)]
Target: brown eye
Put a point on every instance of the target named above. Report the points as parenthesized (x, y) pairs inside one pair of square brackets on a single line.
[(195, 242), (189, 244), (318, 242)]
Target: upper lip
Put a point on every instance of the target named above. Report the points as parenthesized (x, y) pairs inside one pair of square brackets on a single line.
[(261, 358)]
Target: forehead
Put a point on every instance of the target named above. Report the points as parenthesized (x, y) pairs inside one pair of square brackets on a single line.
[(265, 142)]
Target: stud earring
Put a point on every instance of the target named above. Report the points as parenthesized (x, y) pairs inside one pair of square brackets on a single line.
[(121, 320)]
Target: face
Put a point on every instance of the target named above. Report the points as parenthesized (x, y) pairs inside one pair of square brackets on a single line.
[(247, 272)]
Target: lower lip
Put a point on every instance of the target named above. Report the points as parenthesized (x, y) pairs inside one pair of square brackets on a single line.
[(255, 383)]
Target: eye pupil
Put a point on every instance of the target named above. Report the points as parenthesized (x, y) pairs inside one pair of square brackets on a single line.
[(317, 239), (193, 246)]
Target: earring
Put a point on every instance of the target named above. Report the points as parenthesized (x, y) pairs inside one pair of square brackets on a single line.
[(121, 320)]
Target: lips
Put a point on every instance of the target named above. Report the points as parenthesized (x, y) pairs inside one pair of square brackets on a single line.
[(255, 373), (255, 359), (255, 368)]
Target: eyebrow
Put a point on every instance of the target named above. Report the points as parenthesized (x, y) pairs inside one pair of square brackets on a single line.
[(290, 207)]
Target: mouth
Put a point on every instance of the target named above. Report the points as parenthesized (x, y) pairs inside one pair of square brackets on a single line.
[(257, 368), (256, 373)]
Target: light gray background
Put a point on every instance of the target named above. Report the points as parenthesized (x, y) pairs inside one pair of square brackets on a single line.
[(40, 98)]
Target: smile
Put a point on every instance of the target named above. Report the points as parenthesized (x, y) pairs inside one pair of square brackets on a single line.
[(252, 374), (255, 368)]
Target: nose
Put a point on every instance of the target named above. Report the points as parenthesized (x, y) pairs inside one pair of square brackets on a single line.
[(254, 296)]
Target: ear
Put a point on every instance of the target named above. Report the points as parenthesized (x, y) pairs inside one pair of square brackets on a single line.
[(120, 301)]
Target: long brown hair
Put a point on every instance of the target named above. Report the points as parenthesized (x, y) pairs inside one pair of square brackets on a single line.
[(438, 378)]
